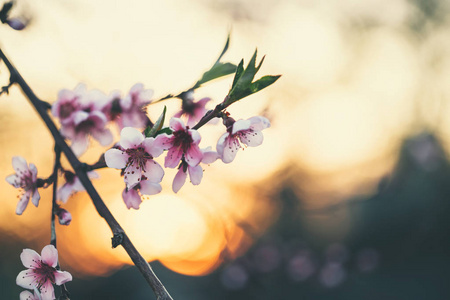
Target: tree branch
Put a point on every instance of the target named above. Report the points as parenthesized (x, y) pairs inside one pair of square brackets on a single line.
[(142, 265)]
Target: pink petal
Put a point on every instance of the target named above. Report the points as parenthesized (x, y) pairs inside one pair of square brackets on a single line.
[(30, 258), (133, 174), (33, 171), (103, 136), (240, 125), (23, 202), (50, 255), (209, 156), (231, 147), (179, 180), (178, 114), (131, 198), (195, 174), (14, 180), (176, 124), (152, 148), (150, 188), (80, 116), (163, 141), (130, 138), (19, 164), (65, 192), (203, 101), (194, 155), (80, 144), (26, 295), (153, 171), (47, 291), (195, 136), (251, 138), (35, 198), (259, 123), (173, 157), (116, 158), (62, 277), (26, 279)]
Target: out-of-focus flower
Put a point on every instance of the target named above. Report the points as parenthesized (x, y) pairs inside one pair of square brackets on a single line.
[(41, 272), (247, 132), (367, 259), (25, 180), (26, 295), (136, 156), (72, 185), (332, 274), (64, 216), (182, 143), (17, 23), (129, 111), (234, 277), (195, 172), (193, 110), (81, 116)]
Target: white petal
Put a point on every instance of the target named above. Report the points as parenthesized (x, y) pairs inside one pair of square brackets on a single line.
[(195, 174), (179, 180), (33, 171), (26, 295), (23, 202), (195, 136), (80, 116), (116, 158), (259, 123), (194, 155), (19, 164), (150, 188), (152, 148), (47, 291), (153, 171), (49, 255), (231, 147), (163, 141), (209, 157), (14, 180), (62, 277), (80, 144), (25, 279), (176, 124), (251, 138), (130, 138), (30, 258), (35, 198), (221, 143), (240, 125), (104, 136), (133, 174)]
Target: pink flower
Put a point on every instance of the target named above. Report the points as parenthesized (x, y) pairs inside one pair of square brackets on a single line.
[(25, 180), (80, 113), (136, 156), (195, 172), (182, 143), (132, 197), (41, 272), (26, 295), (130, 110), (64, 216), (193, 110), (247, 132), (72, 185)]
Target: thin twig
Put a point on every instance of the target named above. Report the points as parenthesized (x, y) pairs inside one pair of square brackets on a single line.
[(119, 234)]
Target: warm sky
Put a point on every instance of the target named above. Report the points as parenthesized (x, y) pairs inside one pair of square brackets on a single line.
[(356, 80)]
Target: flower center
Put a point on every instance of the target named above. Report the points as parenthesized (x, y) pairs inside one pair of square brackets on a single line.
[(137, 156), (182, 139), (44, 272)]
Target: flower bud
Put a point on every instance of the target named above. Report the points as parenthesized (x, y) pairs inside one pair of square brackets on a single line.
[(16, 23), (64, 216)]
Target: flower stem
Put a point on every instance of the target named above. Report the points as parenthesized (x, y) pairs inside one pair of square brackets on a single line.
[(142, 265)]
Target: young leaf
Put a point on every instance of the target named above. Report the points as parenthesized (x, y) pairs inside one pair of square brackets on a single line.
[(151, 131), (165, 130), (219, 69), (239, 70)]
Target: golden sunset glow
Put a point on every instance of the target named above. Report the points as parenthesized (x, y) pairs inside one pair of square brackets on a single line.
[(347, 96)]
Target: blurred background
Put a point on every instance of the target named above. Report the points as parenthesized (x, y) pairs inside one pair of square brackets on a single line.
[(347, 198)]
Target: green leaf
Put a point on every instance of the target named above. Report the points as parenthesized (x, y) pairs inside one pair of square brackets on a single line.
[(151, 131), (263, 82), (239, 70), (217, 71), (166, 130)]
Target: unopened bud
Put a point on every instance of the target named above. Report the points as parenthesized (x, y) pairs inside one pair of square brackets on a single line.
[(64, 216), (16, 23)]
